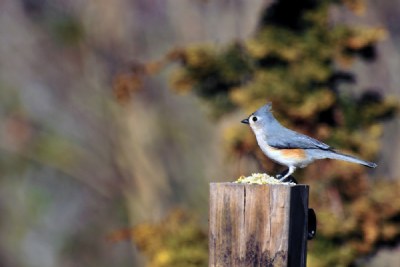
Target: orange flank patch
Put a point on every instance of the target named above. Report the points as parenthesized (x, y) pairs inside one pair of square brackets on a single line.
[(297, 153)]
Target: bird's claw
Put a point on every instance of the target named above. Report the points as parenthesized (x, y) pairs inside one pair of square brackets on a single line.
[(281, 177)]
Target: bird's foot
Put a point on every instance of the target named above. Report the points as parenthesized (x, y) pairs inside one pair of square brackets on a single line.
[(282, 177)]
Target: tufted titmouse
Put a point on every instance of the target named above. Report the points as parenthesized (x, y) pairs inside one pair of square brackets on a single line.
[(288, 147)]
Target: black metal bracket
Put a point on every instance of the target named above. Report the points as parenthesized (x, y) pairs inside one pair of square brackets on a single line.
[(312, 217), (312, 224)]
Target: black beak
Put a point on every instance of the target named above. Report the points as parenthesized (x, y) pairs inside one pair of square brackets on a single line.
[(245, 121)]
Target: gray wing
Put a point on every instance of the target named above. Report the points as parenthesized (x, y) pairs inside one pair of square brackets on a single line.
[(291, 139)]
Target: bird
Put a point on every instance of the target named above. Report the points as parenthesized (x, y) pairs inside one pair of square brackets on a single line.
[(289, 148)]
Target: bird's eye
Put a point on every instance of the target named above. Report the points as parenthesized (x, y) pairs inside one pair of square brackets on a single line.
[(254, 119)]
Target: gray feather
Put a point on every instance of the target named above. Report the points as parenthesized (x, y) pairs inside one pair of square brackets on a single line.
[(332, 154), (286, 138)]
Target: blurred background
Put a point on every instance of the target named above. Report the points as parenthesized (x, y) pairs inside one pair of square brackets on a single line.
[(116, 116)]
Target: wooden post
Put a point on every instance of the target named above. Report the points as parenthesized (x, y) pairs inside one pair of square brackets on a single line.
[(257, 225)]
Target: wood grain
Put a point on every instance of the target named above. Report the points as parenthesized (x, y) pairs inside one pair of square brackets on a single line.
[(257, 225)]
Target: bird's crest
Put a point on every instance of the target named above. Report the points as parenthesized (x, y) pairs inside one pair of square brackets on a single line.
[(264, 109)]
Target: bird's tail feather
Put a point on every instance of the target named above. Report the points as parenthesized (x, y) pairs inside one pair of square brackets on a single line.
[(344, 157)]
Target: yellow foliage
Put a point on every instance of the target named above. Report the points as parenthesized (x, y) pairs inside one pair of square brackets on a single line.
[(162, 258), (256, 49), (269, 42), (199, 56), (361, 37), (314, 103), (357, 6), (180, 81), (178, 240)]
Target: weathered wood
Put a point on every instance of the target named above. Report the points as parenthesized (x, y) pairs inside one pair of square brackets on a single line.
[(257, 225)]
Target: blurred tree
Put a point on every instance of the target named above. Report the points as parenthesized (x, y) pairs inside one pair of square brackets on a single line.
[(178, 240), (297, 60)]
